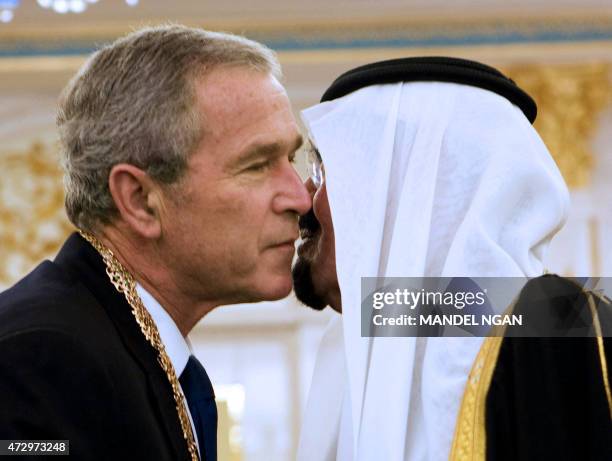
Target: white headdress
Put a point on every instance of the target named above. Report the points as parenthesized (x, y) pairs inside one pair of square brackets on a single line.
[(423, 179)]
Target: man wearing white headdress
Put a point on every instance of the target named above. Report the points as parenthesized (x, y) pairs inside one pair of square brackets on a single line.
[(420, 179)]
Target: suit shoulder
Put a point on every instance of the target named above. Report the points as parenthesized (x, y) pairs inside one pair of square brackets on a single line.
[(48, 299), (42, 285), (44, 346)]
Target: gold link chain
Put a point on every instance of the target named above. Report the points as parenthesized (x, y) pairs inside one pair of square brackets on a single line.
[(124, 283)]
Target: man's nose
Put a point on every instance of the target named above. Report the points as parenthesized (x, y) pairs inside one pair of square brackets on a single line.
[(295, 197)]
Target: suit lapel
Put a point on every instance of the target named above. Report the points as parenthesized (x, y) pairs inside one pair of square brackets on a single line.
[(84, 263)]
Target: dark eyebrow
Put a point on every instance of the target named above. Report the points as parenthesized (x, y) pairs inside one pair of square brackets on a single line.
[(257, 151)]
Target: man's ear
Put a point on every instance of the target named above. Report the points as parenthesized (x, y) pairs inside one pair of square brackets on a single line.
[(137, 198)]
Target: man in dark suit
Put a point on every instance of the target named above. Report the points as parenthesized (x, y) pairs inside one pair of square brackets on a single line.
[(177, 146)]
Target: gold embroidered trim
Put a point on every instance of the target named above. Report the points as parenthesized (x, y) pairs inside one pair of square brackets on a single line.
[(469, 442), (470, 439), (602, 351), (125, 283)]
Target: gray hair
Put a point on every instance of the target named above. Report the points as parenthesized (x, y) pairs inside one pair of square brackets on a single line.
[(134, 102)]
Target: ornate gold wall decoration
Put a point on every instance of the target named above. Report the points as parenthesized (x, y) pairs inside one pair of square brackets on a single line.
[(33, 224), (570, 99)]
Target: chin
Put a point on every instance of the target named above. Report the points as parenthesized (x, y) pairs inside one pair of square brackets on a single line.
[(276, 288), (304, 286)]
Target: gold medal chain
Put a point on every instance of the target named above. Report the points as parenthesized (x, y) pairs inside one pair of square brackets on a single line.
[(124, 283)]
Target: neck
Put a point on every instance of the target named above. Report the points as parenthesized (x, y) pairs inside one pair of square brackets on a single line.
[(143, 261)]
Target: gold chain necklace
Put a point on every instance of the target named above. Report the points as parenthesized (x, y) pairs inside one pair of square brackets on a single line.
[(124, 283)]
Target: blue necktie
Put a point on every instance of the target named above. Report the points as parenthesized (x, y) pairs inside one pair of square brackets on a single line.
[(200, 397)]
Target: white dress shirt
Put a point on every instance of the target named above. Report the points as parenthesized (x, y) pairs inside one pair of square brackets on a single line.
[(177, 346)]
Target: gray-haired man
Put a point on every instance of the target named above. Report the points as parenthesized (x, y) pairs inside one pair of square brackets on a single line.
[(177, 147)]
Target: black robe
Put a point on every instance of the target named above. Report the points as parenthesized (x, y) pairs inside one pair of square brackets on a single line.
[(548, 398)]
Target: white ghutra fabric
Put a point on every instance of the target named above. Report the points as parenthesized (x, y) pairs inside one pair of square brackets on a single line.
[(424, 179)]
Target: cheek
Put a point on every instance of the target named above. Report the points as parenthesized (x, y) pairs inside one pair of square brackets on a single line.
[(324, 260), (229, 208), (239, 226), (323, 215), (228, 226), (320, 207), (217, 223)]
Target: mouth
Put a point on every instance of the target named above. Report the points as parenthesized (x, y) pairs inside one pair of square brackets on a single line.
[(286, 244)]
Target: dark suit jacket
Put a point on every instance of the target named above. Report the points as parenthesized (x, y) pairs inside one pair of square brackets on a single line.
[(74, 365)]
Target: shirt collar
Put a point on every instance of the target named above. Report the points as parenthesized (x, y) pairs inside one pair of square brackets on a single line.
[(177, 347)]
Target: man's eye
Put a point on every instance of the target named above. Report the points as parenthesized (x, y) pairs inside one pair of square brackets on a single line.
[(261, 166)]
